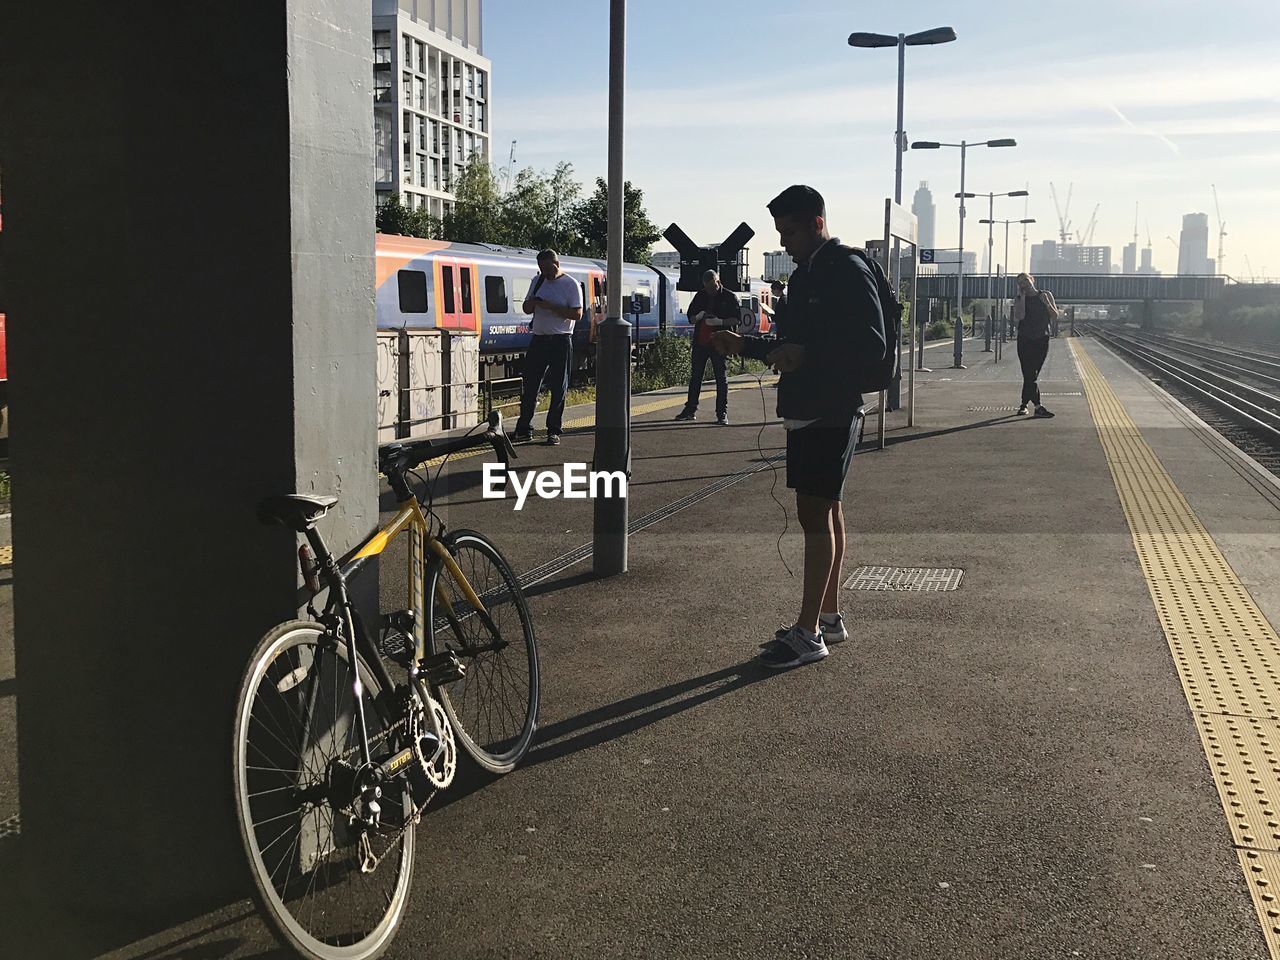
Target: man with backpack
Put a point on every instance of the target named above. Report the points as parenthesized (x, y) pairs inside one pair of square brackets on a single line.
[(833, 346)]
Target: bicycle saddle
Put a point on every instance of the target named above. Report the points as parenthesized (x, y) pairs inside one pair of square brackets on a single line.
[(296, 510)]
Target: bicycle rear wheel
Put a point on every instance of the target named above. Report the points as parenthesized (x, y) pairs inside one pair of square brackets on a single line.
[(296, 744), (494, 707)]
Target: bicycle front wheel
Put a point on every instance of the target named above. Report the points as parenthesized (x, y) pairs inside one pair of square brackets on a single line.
[(494, 707), (332, 890)]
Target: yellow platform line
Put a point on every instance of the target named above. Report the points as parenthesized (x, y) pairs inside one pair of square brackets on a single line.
[(1226, 653)]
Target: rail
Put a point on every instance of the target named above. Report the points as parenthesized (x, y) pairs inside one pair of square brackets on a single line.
[(1256, 408)]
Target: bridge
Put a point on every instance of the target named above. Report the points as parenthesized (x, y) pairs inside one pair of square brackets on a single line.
[(1080, 287)]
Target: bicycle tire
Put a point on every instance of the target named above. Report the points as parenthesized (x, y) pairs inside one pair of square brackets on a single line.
[(279, 662), (467, 701)]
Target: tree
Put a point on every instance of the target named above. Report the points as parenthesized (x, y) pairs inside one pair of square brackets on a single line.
[(476, 214), (591, 223), (537, 211), (394, 217)]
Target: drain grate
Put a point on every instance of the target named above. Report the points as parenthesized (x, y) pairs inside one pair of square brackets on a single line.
[(992, 408), (1066, 393), (11, 827), (904, 578)]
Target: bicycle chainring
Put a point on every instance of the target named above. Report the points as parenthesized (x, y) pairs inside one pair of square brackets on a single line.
[(440, 768)]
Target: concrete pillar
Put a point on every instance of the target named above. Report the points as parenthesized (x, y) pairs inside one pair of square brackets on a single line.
[(189, 246), (1148, 315)]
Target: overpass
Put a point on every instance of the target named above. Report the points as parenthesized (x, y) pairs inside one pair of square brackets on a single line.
[(1080, 287)]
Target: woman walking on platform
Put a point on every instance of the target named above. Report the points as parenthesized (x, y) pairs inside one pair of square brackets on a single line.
[(1035, 311)]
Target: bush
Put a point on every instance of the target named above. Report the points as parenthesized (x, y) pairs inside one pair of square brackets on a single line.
[(939, 330), (667, 362)]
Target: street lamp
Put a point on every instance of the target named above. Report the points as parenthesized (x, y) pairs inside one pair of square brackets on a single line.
[(901, 41), (1024, 221), (991, 212), (963, 145)]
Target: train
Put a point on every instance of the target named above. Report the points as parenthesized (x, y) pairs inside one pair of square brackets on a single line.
[(478, 289)]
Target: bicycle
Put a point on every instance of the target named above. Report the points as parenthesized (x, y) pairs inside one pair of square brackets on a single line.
[(335, 761)]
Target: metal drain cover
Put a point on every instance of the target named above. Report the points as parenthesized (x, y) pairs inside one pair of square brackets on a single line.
[(988, 408), (904, 578), (1067, 393)]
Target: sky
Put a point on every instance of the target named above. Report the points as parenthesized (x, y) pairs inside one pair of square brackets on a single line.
[(729, 101)]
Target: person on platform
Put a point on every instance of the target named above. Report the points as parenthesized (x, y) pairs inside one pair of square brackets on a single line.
[(834, 322), (778, 304), (555, 301), (1034, 311), (713, 308)]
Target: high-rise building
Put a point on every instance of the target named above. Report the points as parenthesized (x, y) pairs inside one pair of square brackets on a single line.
[(1050, 256), (433, 97), (1146, 267), (777, 263), (1193, 245), (926, 214), (1130, 257), (666, 259)]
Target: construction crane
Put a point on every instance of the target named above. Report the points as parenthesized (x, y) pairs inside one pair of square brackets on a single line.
[(1064, 225), (1249, 266), (1087, 237), (1177, 251), (1222, 227), (511, 166)]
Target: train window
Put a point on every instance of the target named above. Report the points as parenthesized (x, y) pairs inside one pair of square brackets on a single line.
[(520, 289), (495, 294), (755, 304), (446, 280), (413, 291), (465, 273)]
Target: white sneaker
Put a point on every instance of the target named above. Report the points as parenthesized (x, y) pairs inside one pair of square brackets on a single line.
[(832, 632), (793, 650)]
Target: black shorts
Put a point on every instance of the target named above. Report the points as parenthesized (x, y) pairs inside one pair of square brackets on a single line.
[(818, 456)]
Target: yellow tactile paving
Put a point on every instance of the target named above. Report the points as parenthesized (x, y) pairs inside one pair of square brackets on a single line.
[(6, 556), (1226, 653)]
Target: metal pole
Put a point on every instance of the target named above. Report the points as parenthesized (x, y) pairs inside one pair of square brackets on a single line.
[(1026, 205), (884, 399), (911, 367), (958, 350), (1004, 319), (613, 354), (894, 399), (991, 212)]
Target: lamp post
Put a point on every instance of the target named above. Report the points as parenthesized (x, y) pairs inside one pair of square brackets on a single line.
[(1024, 221), (963, 145), (901, 41), (991, 212), (613, 354)]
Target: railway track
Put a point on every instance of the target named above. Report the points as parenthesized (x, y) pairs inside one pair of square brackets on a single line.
[(1234, 391)]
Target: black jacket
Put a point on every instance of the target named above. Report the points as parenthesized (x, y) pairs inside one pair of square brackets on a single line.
[(833, 311), (723, 304)]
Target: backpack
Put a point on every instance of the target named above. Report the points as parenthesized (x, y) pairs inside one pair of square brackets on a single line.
[(876, 374)]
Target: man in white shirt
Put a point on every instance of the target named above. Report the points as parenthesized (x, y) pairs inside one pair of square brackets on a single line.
[(555, 301)]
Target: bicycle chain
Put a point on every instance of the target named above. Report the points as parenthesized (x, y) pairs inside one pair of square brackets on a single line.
[(368, 860)]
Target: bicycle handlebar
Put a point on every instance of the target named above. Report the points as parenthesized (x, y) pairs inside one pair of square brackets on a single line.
[(394, 459)]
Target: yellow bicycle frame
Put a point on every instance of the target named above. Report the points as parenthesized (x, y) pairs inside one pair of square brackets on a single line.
[(412, 518)]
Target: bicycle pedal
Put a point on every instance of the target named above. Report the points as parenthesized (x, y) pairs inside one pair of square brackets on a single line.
[(397, 647), (442, 668)]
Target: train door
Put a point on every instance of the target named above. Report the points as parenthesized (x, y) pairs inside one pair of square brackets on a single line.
[(599, 303), (766, 311), (457, 283)]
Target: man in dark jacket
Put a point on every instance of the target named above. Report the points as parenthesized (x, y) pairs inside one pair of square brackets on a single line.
[(833, 326), (713, 308)]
